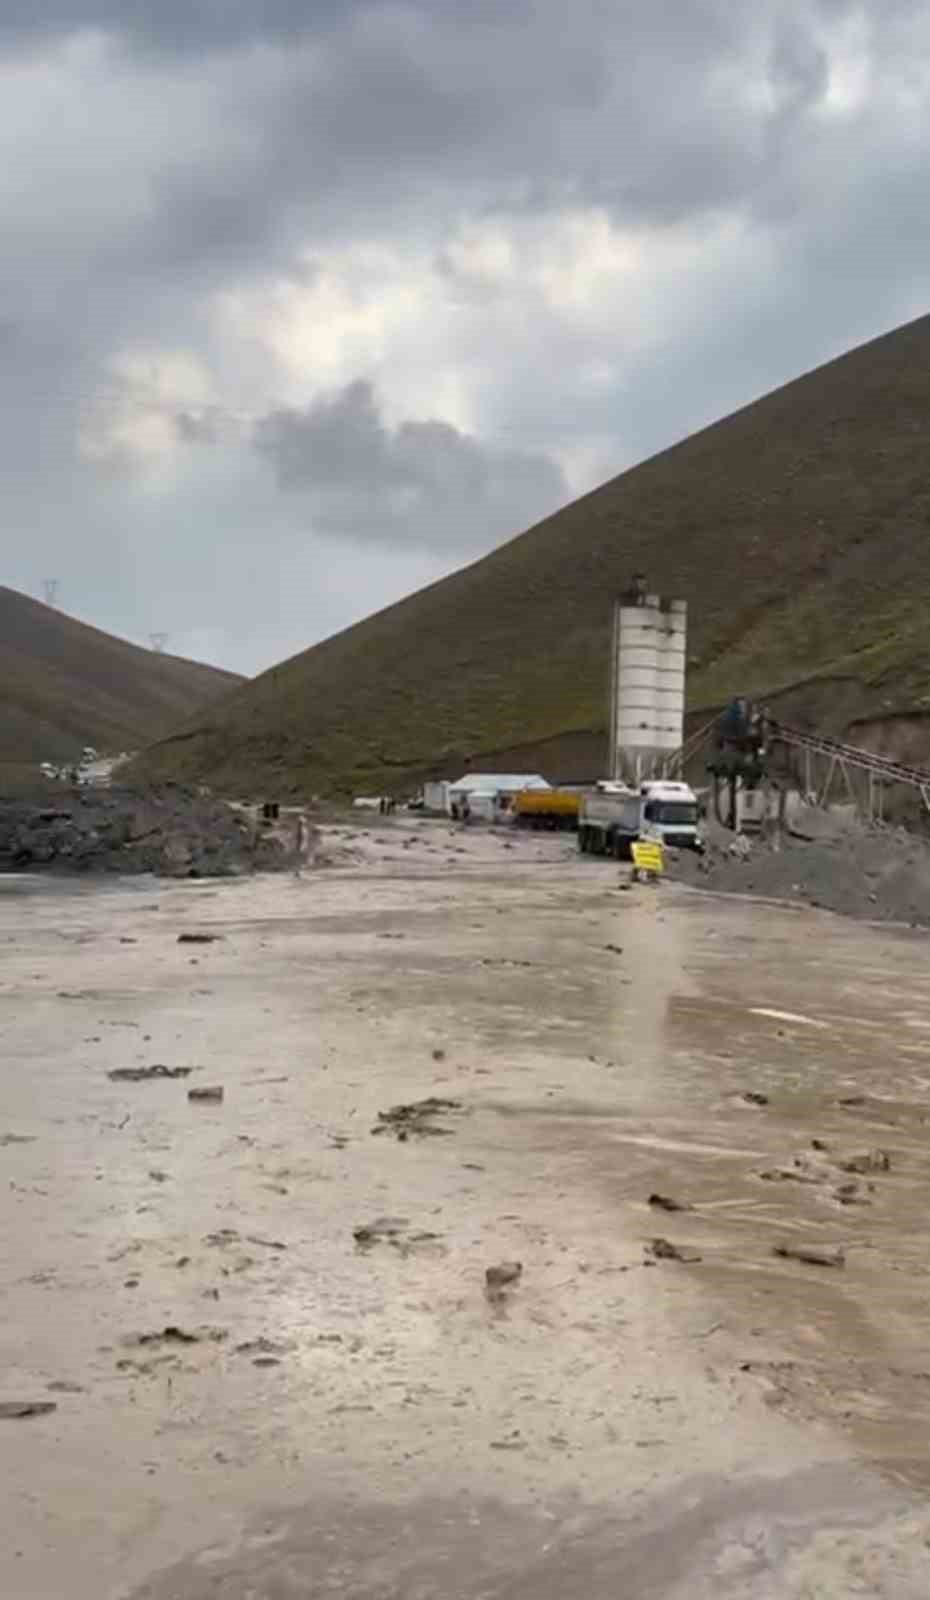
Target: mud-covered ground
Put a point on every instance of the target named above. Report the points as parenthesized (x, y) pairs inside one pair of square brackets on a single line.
[(251, 1402)]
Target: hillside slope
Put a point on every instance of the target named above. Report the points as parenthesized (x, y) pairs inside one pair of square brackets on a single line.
[(797, 530), (64, 685)]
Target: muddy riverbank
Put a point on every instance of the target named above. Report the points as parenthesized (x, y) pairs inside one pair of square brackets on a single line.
[(252, 1401)]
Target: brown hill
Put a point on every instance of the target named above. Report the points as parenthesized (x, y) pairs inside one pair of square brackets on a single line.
[(797, 529), (66, 685)]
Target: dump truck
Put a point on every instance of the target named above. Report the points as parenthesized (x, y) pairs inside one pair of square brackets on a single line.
[(613, 815), (546, 808)]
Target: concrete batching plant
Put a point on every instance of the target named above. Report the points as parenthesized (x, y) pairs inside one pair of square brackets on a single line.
[(647, 684)]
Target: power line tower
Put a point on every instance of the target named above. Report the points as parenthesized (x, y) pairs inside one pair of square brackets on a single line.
[(159, 640), (50, 590)]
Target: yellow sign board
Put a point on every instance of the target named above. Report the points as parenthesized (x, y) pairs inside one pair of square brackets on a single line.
[(648, 855)]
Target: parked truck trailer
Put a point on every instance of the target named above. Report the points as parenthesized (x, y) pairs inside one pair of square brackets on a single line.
[(547, 808)]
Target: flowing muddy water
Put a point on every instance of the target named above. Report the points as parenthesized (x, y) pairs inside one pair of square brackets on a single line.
[(249, 1403)]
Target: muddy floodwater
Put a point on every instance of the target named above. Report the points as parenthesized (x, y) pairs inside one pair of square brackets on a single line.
[(252, 1403)]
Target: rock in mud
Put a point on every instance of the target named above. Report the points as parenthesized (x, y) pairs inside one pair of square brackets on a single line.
[(664, 1250), (416, 1118), (665, 1202), (814, 1255), (144, 1074), (211, 1094), (10, 1410)]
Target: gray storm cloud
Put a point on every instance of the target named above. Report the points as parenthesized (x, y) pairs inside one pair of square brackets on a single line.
[(621, 221), (421, 483)]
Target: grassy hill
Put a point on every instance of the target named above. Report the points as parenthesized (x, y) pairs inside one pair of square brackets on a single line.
[(797, 529), (64, 685)]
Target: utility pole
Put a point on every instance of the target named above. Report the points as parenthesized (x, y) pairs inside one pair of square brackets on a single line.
[(50, 590), (159, 640)]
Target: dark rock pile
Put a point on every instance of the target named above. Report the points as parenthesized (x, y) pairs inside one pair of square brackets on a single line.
[(169, 830), (879, 874)]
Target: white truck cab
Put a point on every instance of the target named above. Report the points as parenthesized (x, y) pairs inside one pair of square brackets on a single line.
[(670, 813)]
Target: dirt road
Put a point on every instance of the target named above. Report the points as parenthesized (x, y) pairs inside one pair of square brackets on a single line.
[(251, 1402)]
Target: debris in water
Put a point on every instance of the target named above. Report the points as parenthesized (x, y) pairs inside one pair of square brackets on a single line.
[(172, 1334), (144, 1074), (664, 1202), (850, 1194), (664, 1250), (415, 1118), (10, 1409), (614, 949), (17, 1138), (501, 1277), (394, 1231), (752, 1097), (262, 1347), (439, 1055), (269, 1244), (382, 1228), (819, 1144), (850, 1100), (867, 1161), (198, 938), (62, 1386), (213, 1094), (814, 1255)]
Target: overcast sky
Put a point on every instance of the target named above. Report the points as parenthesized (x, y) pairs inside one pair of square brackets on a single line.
[(304, 303)]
